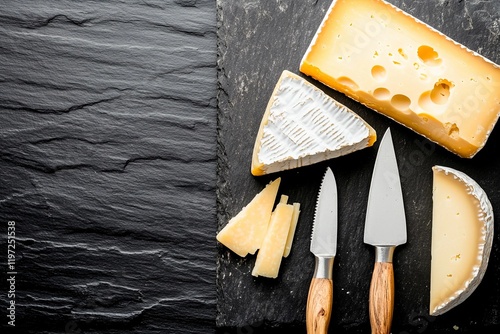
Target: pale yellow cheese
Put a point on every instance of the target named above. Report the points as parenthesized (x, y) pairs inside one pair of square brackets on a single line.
[(293, 227), (246, 231), (462, 235), (271, 253), (397, 65)]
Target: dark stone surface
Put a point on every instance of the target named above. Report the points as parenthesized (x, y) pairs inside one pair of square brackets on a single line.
[(257, 41), (108, 165)]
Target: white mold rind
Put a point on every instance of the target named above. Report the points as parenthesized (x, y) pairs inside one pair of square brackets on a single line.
[(303, 126)]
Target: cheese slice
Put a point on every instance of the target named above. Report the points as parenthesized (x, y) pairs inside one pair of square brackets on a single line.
[(293, 227), (462, 236), (246, 231), (269, 257), (400, 67), (302, 126)]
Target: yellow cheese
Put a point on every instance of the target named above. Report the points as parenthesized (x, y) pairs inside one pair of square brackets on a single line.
[(293, 226), (302, 125), (269, 257), (462, 236), (397, 65), (246, 231)]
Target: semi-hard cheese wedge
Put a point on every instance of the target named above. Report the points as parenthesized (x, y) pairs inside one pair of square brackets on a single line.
[(302, 125), (269, 257), (462, 236), (293, 227), (397, 65), (246, 231)]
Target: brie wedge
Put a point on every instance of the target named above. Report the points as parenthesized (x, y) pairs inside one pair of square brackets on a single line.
[(302, 126), (462, 236)]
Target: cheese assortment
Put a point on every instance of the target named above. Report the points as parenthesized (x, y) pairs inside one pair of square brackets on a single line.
[(395, 64), (400, 67), (302, 126), (462, 236)]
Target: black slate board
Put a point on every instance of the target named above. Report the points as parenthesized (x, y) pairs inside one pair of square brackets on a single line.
[(107, 165), (257, 40)]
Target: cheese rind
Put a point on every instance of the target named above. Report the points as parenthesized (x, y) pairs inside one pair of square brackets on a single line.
[(302, 126), (462, 237), (246, 231), (270, 255), (397, 65)]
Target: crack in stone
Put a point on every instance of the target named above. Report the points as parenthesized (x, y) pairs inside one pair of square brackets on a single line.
[(183, 99), (187, 3), (87, 247), (17, 196), (56, 111), (57, 17), (69, 138), (152, 5)]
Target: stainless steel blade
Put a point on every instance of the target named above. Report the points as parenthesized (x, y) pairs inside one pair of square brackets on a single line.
[(385, 217), (324, 234)]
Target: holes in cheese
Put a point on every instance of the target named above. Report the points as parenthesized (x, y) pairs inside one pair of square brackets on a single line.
[(401, 102), (302, 126), (441, 92), (274, 247), (462, 237), (382, 93), (397, 65), (429, 56), (246, 231), (379, 73)]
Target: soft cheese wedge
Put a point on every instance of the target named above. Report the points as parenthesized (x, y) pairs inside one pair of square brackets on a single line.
[(462, 236), (402, 68), (246, 231), (269, 257), (302, 126)]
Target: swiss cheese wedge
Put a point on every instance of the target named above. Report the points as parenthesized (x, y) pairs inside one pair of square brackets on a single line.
[(397, 65), (246, 231), (462, 236), (302, 126)]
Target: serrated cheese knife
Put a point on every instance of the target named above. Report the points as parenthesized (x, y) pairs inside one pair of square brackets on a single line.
[(385, 228), (324, 247)]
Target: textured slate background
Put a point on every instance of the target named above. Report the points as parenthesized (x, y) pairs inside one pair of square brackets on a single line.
[(108, 164), (108, 167), (257, 41)]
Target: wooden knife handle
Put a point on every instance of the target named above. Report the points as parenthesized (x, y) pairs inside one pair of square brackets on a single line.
[(319, 305), (382, 298)]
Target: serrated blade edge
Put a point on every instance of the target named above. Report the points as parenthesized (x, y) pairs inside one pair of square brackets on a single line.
[(324, 231)]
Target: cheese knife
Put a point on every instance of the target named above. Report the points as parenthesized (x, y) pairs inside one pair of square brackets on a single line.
[(324, 247), (385, 228)]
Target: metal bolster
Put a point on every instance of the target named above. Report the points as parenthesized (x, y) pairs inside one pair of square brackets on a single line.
[(384, 253), (324, 267)]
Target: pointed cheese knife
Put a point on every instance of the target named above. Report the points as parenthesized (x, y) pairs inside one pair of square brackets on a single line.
[(385, 228), (324, 247)]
